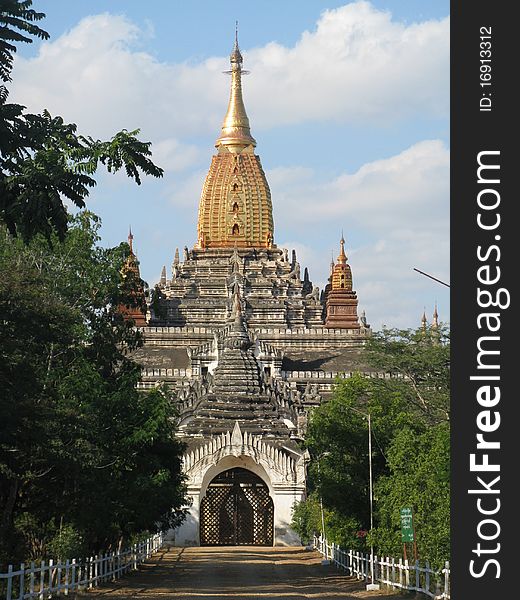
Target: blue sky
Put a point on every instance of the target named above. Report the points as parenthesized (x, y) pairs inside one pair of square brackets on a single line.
[(348, 102)]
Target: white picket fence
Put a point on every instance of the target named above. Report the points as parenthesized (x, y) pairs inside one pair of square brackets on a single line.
[(51, 578), (394, 573)]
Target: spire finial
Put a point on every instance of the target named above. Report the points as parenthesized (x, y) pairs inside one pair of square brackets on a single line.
[(235, 128), (342, 258), (130, 238), (423, 319), (435, 322)]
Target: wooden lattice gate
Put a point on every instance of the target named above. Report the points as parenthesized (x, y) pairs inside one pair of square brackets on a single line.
[(237, 510)]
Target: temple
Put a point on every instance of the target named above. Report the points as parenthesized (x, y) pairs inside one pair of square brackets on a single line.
[(249, 346)]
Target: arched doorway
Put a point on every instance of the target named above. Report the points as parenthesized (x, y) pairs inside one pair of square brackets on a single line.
[(237, 510)]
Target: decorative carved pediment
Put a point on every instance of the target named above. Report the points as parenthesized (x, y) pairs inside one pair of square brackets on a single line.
[(282, 465)]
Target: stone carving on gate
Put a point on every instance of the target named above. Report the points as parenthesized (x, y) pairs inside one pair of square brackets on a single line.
[(278, 463)]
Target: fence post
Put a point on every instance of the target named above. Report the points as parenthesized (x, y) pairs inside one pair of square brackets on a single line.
[(9, 582), (22, 581), (90, 571), (447, 579), (42, 580), (427, 578), (407, 574), (391, 577), (67, 569), (73, 574), (417, 576), (350, 563), (401, 573), (80, 569), (51, 575), (58, 575), (31, 580)]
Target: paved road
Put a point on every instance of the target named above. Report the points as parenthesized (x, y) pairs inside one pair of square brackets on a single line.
[(236, 573)]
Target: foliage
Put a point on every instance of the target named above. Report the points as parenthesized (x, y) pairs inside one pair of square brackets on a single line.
[(43, 160), (410, 446), (82, 451), (306, 521), (85, 459), (16, 20), (419, 478), (422, 360)]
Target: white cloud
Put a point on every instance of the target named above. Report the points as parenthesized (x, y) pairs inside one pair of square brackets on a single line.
[(400, 206), (172, 155), (358, 64), (408, 188)]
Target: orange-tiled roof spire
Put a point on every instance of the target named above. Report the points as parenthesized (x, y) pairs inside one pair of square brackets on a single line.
[(341, 301)]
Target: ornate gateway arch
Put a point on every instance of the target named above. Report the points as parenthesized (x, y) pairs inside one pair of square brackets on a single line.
[(242, 487)]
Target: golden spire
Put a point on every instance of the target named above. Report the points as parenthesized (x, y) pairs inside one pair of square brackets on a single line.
[(341, 271), (235, 207), (235, 128), (342, 258), (435, 322), (423, 320)]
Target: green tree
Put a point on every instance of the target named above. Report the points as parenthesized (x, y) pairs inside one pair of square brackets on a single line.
[(85, 458), (410, 452), (419, 360), (43, 160), (419, 477)]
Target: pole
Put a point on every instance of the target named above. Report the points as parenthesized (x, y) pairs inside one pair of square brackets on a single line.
[(325, 561), (415, 556), (371, 496), (323, 528), (374, 585)]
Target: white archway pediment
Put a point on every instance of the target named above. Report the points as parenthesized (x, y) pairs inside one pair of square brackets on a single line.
[(280, 466)]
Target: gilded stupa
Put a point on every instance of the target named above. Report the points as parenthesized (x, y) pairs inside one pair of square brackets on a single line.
[(248, 345), (235, 206), (341, 300)]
